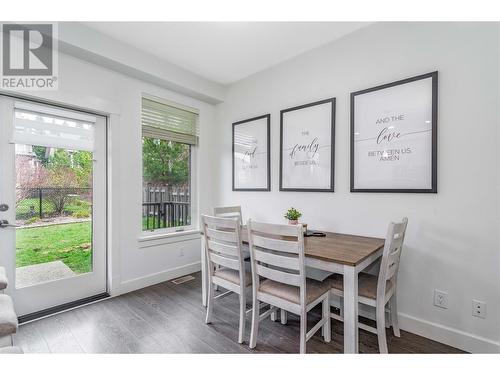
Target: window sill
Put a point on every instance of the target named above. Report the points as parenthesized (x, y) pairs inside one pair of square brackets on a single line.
[(156, 239)]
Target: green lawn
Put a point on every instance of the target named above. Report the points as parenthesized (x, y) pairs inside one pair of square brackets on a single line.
[(69, 243)]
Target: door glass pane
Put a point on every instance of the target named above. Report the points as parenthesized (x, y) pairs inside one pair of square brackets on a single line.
[(54, 213)]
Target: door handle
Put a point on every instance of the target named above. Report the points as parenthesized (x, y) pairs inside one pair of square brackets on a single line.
[(6, 224)]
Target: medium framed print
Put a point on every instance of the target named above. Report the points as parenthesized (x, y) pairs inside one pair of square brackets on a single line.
[(394, 137), (251, 154), (307, 147)]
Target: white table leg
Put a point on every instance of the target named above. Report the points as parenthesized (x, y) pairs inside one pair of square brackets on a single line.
[(350, 310), (204, 281)]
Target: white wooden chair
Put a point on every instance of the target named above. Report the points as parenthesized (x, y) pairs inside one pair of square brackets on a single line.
[(378, 291), (277, 254), (225, 263), (229, 212)]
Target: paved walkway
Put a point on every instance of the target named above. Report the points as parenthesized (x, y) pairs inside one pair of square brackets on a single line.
[(41, 273)]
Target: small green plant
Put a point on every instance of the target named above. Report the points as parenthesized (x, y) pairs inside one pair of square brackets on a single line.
[(292, 214), (31, 221), (81, 214)]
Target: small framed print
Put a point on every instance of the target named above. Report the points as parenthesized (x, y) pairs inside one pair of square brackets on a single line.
[(307, 147), (394, 137), (251, 154)]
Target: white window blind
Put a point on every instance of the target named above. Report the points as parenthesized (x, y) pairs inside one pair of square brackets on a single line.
[(163, 121), (52, 127)]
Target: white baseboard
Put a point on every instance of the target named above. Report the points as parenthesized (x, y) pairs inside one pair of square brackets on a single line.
[(437, 332), (159, 277), (447, 335)]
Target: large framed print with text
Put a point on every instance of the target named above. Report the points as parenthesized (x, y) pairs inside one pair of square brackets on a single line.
[(307, 147), (394, 137), (251, 154)]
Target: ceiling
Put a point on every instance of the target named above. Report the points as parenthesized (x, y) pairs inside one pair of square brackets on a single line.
[(225, 52)]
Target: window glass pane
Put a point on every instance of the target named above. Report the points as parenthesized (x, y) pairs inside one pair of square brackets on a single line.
[(166, 187)]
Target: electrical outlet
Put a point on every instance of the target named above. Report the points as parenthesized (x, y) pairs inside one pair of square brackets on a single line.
[(181, 252), (478, 308), (440, 299)]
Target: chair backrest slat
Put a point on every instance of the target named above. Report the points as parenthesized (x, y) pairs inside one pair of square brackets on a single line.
[(223, 243), (277, 253), (279, 276), (394, 257), (224, 261), (276, 244), (391, 256), (221, 235), (275, 229), (229, 212), (220, 223), (276, 260), (391, 271), (219, 247)]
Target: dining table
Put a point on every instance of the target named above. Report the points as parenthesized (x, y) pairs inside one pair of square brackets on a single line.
[(344, 254)]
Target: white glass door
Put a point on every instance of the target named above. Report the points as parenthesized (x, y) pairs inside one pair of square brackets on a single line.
[(52, 204)]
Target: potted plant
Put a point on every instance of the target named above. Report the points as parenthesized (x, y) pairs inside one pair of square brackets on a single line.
[(293, 216)]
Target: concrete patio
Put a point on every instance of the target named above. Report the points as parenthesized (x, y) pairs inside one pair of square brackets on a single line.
[(42, 273)]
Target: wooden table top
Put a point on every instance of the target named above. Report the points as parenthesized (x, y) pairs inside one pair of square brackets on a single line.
[(342, 248), (338, 248)]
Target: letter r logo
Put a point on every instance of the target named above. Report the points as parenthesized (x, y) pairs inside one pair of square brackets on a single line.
[(27, 49)]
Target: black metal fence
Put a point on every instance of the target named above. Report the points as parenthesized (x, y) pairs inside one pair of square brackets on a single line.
[(47, 202), (165, 207), (166, 215)]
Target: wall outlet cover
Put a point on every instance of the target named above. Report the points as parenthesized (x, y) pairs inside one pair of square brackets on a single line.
[(479, 309), (440, 299)]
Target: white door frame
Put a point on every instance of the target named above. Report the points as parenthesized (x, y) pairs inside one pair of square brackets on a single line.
[(64, 291)]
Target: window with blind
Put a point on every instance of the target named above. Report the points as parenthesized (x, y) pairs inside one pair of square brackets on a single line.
[(169, 135)]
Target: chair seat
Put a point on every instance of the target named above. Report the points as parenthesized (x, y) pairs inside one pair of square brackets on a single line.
[(367, 284), (11, 350), (8, 317), (314, 290), (233, 276), (3, 279)]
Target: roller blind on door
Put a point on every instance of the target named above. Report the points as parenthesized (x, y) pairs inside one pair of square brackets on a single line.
[(163, 121), (52, 127)]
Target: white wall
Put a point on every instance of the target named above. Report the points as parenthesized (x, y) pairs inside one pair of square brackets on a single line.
[(134, 264), (452, 242), (89, 45)]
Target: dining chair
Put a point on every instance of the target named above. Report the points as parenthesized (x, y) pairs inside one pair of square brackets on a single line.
[(225, 263), (277, 254), (378, 291), (230, 211)]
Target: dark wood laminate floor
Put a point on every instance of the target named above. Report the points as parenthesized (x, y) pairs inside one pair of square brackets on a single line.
[(169, 318)]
